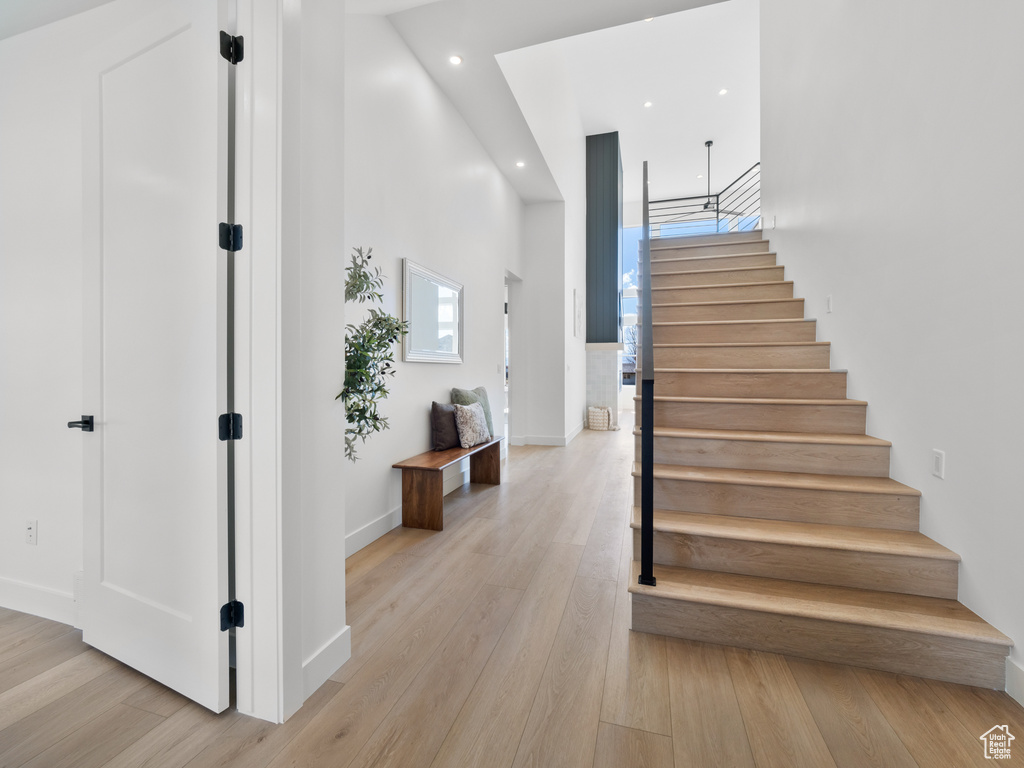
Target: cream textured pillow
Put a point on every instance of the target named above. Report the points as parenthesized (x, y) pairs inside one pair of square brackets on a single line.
[(478, 395), (472, 426)]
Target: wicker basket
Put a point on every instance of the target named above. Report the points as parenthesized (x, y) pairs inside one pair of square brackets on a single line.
[(599, 418)]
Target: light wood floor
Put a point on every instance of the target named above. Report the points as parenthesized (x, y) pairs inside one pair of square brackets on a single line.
[(502, 642)]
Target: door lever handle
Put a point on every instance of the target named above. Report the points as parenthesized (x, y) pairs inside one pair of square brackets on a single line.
[(85, 424)]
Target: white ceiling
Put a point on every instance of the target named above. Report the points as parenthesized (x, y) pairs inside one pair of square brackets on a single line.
[(480, 30), (679, 63), (612, 63)]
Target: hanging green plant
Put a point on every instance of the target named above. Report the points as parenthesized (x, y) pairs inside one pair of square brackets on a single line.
[(369, 353)]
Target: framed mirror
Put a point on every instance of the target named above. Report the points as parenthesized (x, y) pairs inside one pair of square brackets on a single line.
[(433, 309)]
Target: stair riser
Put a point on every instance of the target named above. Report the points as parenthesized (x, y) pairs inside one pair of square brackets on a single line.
[(760, 310), (830, 419), (805, 385), (811, 458), (722, 333), (743, 357), (718, 277), (781, 290), (722, 249), (802, 505), (755, 236), (863, 570), (666, 264), (912, 653)]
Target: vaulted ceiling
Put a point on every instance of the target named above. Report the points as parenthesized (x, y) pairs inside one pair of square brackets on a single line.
[(609, 60), (610, 63)]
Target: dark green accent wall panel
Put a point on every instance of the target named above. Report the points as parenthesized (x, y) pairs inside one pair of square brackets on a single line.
[(604, 238)]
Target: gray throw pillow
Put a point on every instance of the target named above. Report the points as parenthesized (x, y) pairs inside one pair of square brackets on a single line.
[(443, 432), (471, 425), (470, 396)]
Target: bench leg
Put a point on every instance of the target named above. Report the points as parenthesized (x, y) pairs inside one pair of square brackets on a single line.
[(423, 499), (485, 465)]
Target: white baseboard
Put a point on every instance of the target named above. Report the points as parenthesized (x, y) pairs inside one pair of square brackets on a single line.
[(454, 478), (555, 442), (1015, 681), (38, 601), (325, 661), (372, 531)]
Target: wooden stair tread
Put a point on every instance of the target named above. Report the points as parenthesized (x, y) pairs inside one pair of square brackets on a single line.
[(713, 285), (705, 256), (720, 303), (794, 480), (748, 370), (734, 344), (847, 605), (752, 400), (730, 322), (819, 535), (716, 270), (768, 437)]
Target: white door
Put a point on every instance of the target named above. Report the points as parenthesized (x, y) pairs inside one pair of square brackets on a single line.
[(156, 560)]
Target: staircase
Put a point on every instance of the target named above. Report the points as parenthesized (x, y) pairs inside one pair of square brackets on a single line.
[(776, 524)]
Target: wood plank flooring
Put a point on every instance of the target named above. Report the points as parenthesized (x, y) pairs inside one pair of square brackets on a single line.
[(502, 642)]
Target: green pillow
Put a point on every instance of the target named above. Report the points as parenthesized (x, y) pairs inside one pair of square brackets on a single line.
[(470, 396)]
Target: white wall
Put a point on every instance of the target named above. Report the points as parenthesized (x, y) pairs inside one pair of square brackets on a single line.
[(537, 367), (554, 119), (891, 157), (419, 185), (290, 315), (314, 346)]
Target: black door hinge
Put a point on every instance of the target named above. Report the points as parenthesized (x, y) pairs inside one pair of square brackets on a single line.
[(230, 425), (232, 615), (232, 48), (230, 237)]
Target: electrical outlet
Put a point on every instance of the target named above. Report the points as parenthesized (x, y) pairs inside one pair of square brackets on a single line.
[(828, 304), (939, 463), (31, 532)]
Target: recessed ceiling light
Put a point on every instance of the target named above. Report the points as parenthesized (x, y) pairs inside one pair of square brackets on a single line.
[(520, 164), (723, 92), (700, 175), (648, 104), (455, 60), (650, 19)]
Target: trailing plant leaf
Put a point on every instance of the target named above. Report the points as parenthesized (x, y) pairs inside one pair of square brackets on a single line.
[(369, 354), (361, 284)]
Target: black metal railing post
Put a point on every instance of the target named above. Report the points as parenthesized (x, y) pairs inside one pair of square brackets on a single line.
[(646, 403)]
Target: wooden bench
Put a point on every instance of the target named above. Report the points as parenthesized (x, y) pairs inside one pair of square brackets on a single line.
[(423, 484)]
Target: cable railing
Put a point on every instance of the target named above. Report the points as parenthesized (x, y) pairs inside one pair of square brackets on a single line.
[(737, 208), (646, 348)]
